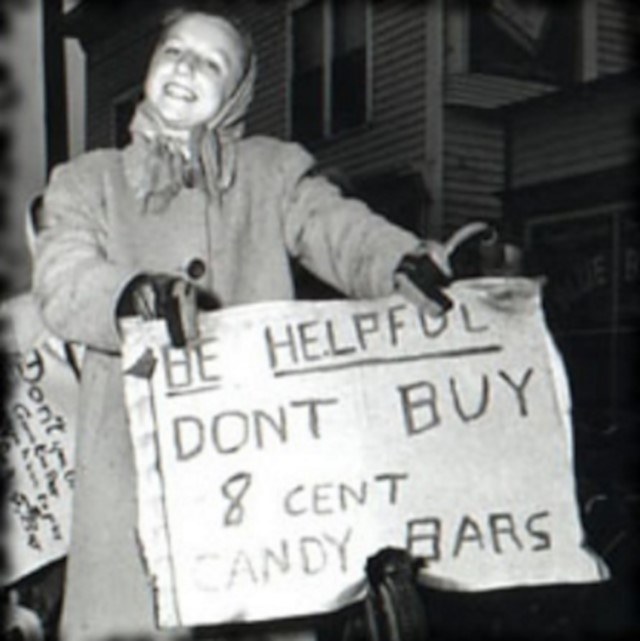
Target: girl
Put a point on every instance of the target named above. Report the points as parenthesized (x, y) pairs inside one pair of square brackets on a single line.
[(191, 209)]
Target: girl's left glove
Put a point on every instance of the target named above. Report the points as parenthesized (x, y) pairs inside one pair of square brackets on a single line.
[(420, 278), (168, 297), (474, 250)]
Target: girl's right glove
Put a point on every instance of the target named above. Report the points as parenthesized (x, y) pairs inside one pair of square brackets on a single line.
[(168, 297)]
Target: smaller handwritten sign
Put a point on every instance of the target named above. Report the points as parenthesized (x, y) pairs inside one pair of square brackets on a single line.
[(294, 440), (37, 445)]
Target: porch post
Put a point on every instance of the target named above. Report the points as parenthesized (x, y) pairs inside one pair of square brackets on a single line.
[(55, 84)]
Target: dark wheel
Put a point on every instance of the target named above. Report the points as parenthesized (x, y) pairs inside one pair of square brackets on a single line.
[(394, 610)]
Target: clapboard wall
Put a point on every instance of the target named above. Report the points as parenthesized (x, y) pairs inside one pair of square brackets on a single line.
[(396, 133), (617, 33), (118, 43), (589, 129), (502, 134), (575, 135), (473, 165), (267, 23)]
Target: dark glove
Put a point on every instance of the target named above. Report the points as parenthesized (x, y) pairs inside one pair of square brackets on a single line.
[(473, 250), (421, 276), (420, 272), (168, 297)]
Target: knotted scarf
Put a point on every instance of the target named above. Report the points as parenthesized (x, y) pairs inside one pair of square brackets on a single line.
[(156, 166)]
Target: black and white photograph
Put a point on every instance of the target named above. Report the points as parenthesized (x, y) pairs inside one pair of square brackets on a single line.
[(319, 320)]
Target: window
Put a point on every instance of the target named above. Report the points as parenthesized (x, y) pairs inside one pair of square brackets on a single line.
[(527, 39), (533, 40), (329, 78)]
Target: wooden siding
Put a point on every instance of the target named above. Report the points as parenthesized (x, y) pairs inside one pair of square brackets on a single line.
[(267, 23), (473, 167), (617, 28), (395, 136), (488, 92), (116, 65), (589, 130)]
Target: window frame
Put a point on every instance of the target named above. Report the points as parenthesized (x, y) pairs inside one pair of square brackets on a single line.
[(458, 41), (327, 58)]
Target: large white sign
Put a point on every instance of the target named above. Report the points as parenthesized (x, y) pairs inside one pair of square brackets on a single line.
[(297, 439)]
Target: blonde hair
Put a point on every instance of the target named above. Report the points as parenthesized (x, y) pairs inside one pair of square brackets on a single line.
[(174, 16)]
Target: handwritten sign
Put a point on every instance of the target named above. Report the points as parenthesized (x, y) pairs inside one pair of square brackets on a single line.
[(296, 439), (37, 448)]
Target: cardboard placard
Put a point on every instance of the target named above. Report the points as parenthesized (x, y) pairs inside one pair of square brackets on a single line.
[(37, 443), (296, 439)]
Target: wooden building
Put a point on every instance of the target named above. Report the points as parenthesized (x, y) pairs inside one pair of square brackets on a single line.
[(438, 113)]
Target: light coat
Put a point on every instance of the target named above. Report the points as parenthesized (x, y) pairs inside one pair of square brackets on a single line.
[(98, 236)]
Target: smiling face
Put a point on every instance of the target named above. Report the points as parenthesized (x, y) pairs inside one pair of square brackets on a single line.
[(194, 69)]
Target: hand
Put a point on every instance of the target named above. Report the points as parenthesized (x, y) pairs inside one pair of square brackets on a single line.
[(421, 277), (168, 297), (473, 250)]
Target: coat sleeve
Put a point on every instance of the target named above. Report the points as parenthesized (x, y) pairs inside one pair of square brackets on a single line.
[(339, 239), (75, 284)]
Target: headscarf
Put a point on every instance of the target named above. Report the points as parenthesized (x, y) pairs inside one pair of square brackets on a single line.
[(156, 167)]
